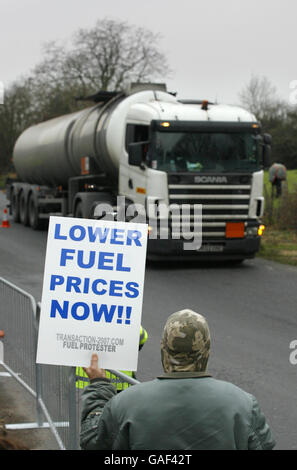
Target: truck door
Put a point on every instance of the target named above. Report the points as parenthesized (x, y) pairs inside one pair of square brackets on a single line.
[(133, 179)]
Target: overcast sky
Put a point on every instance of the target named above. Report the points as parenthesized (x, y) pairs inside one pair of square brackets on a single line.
[(212, 46)]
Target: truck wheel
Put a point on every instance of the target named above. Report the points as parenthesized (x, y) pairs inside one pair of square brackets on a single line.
[(235, 262), (23, 209), (15, 209), (104, 199), (79, 211), (34, 221)]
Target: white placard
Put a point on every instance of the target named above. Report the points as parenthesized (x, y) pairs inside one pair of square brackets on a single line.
[(92, 293)]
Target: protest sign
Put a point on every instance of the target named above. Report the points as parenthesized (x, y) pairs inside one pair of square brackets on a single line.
[(92, 293)]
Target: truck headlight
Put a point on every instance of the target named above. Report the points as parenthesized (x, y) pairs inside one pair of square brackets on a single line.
[(252, 231), (261, 230)]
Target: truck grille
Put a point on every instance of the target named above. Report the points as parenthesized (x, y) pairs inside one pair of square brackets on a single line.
[(221, 203)]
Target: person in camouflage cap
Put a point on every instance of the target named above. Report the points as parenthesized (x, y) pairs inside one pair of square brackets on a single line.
[(185, 344), (184, 408)]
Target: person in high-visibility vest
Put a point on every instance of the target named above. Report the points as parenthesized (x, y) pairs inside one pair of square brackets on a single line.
[(82, 379)]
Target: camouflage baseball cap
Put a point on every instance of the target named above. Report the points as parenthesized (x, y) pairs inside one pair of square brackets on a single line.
[(185, 342)]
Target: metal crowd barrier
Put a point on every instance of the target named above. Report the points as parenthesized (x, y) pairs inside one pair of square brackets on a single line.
[(18, 320), (57, 398)]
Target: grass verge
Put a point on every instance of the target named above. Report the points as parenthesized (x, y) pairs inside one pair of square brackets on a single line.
[(279, 245), (3, 178), (279, 241)]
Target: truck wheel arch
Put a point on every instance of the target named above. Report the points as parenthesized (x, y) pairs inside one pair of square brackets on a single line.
[(84, 202)]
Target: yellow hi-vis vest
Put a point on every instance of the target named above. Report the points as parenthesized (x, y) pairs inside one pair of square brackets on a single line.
[(82, 380)]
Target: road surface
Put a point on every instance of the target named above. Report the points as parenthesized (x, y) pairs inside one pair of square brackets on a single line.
[(251, 311)]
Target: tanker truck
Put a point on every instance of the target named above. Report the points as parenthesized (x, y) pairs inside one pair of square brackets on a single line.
[(148, 147)]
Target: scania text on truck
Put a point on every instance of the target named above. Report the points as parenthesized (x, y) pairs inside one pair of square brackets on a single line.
[(154, 150)]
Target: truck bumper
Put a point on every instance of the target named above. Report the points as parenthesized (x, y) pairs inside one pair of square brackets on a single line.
[(235, 249)]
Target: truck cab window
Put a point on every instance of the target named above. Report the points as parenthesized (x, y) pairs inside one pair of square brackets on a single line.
[(136, 133), (206, 152)]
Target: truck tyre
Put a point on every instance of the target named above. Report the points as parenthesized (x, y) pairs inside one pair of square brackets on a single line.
[(235, 262), (23, 209), (34, 221), (105, 198), (79, 211), (15, 208)]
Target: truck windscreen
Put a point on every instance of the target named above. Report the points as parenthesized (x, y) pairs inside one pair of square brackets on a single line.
[(205, 152)]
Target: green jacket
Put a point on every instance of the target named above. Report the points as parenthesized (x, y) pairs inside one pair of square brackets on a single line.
[(176, 411)]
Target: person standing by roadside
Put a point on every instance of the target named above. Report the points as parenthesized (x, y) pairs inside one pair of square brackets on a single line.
[(185, 408)]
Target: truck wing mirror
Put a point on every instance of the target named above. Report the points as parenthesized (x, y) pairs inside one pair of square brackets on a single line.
[(267, 139), (137, 153), (266, 156)]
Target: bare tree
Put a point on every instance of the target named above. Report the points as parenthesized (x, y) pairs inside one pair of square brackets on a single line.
[(15, 115), (105, 57), (260, 97)]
